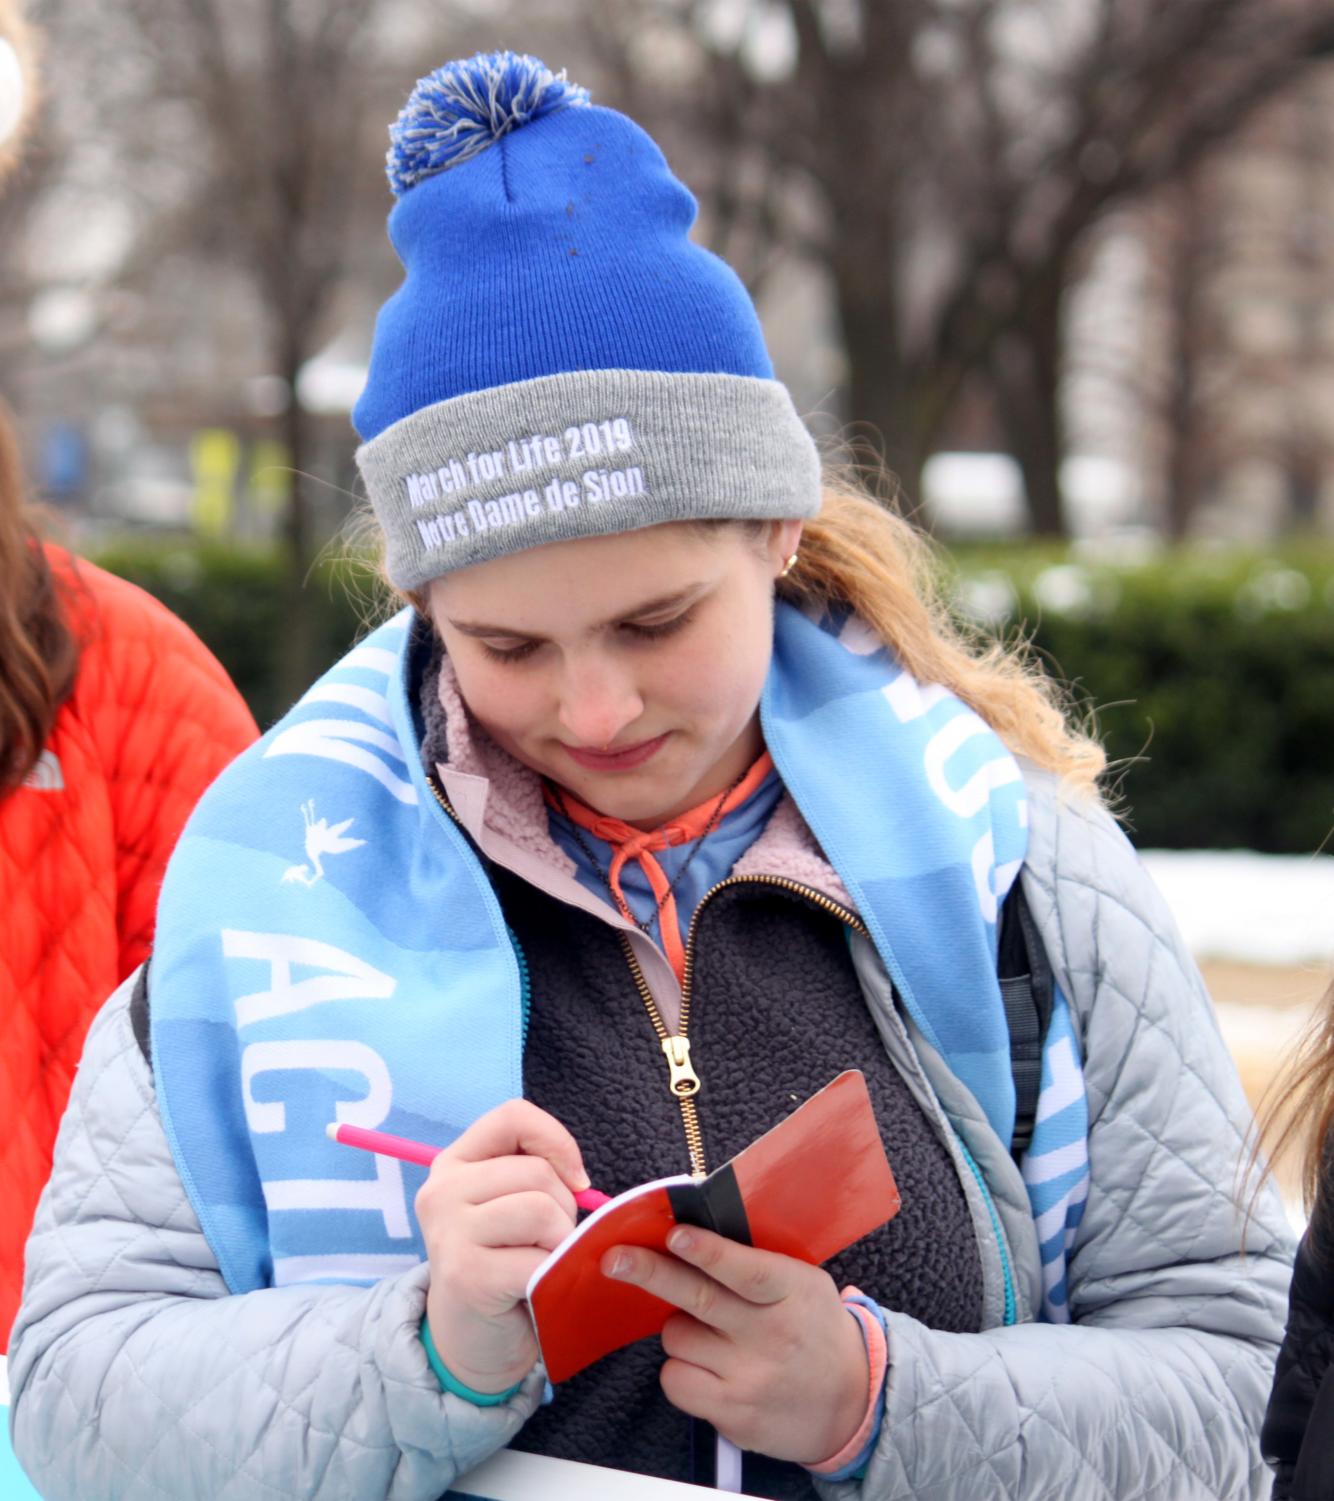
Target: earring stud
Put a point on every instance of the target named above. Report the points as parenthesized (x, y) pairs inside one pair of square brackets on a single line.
[(788, 566)]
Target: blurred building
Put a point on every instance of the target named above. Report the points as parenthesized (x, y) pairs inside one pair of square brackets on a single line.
[(1236, 389)]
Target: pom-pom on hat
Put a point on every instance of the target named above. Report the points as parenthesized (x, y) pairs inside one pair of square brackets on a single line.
[(561, 359), (462, 107)]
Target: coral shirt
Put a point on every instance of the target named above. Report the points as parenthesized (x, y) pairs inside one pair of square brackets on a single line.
[(151, 720)]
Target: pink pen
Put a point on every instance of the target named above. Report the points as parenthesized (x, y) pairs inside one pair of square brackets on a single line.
[(417, 1151)]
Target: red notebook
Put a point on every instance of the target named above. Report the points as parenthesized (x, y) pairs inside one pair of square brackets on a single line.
[(809, 1187)]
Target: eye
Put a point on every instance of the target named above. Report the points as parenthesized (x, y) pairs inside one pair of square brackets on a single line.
[(659, 629), (509, 653)]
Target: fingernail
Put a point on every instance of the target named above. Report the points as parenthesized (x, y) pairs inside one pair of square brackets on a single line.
[(581, 1180), (680, 1240), (617, 1264)]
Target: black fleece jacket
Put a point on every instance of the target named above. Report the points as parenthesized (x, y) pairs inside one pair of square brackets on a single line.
[(777, 1012), (1298, 1434)]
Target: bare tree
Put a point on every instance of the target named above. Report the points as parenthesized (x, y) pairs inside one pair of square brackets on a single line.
[(243, 140), (1233, 378), (1155, 93), (246, 136), (943, 160), (271, 96), (961, 151), (1190, 253)]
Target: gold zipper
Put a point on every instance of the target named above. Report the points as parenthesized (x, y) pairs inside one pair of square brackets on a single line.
[(440, 797), (682, 1080)]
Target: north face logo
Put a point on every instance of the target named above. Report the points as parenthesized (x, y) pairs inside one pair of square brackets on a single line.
[(46, 775)]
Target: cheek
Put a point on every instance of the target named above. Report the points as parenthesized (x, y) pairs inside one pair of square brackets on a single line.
[(499, 696), (718, 678)]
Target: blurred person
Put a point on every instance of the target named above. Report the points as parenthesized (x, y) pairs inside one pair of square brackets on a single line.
[(113, 719), (1298, 1435), (670, 796)]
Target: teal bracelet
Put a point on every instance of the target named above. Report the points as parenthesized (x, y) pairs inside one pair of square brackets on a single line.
[(452, 1384)]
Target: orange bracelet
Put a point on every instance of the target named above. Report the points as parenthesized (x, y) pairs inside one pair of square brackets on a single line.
[(877, 1358)]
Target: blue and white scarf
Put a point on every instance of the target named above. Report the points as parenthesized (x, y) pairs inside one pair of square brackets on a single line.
[(329, 948)]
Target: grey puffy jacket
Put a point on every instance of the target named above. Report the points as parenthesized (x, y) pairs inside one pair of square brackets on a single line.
[(136, 1375)]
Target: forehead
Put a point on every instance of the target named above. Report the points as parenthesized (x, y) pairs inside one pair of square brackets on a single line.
[(588, 580)]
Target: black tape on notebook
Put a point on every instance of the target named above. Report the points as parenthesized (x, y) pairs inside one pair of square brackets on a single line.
[(715, 1204)]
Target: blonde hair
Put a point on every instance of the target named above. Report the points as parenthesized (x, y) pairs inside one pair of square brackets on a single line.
[(858, 553), (1298, 1111)]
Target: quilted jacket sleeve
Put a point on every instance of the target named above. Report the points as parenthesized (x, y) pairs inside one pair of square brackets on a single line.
[(135, 1375), (1158, 1387)]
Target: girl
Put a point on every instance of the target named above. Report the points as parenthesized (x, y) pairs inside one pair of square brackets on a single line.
[(670, 797)]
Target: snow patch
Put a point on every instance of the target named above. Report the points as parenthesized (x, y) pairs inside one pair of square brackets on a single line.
[(1248, 908)]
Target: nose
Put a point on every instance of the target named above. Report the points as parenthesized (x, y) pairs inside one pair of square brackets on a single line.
[(599, 700)]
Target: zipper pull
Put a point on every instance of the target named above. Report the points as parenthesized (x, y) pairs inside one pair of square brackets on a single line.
[(683, 1080)]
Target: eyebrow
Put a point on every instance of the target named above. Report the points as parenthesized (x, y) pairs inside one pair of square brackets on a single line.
[(662, 603)]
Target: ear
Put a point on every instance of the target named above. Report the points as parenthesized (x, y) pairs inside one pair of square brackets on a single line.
[(784, 540)]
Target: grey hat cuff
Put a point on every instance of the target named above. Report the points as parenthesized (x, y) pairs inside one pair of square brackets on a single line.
[(583, 454)]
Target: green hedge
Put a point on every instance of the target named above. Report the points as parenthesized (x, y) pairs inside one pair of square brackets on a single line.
[(233, 598), (1212, 676)]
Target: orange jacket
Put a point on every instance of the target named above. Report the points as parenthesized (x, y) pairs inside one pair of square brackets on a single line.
[(150, 722)]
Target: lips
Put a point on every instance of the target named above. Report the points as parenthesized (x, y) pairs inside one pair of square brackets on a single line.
[(624, 759)]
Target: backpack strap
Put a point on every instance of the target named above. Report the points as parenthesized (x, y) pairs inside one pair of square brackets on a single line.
[(139, 1021), (1026, 988)]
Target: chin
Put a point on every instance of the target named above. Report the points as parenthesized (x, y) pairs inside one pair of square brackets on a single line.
[(624, 802), (649, 801)]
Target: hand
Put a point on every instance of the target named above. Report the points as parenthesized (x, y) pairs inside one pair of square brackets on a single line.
[(763, 1347), (496, 1202)]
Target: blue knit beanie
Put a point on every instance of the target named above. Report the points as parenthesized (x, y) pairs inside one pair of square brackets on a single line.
[(560, 360)]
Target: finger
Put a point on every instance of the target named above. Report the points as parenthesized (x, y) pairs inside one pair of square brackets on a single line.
[(676, 1283), (519, 1126), (452, 1186), (483, 1181), (522, 1219), (694, 1391), (759, 1277), (685, 1338)]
